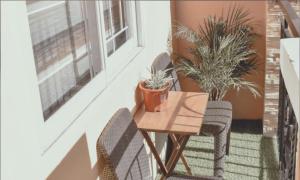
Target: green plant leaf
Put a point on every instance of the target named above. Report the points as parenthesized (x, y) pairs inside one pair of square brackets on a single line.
[(223, 53)]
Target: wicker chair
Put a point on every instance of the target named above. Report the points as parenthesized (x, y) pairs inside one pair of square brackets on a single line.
[(121, 150), (217, 120)]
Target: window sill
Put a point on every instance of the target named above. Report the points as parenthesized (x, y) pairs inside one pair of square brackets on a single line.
[(112, 72)]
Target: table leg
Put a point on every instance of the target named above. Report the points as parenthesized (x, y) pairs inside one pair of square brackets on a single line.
[(155, 153), (177, 151), (184, 161)]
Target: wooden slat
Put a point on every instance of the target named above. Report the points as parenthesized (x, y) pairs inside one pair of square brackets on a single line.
[(154, 152), (183, 114), (177, 152), (184, 161)]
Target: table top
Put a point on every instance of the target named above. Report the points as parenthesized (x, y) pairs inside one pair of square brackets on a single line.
[(183, 114)]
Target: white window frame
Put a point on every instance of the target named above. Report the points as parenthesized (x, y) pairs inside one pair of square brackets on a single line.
[(122, 56), (60, 121)]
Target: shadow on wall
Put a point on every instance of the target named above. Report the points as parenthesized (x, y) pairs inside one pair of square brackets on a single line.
[(76, 165)]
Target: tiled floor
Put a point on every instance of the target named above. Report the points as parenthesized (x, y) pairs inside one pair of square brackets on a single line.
[(252, 156)]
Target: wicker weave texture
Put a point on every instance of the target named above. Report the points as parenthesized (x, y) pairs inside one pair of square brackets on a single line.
[(122, 149), (217, 122)]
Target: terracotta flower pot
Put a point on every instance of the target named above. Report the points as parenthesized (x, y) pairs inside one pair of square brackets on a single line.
[(154, 99)]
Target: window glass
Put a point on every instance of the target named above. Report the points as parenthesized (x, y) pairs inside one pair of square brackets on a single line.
[(62, 50), (117, 29)]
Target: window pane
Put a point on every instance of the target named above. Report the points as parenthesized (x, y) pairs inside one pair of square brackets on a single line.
[(107, 19), (60, 45), (116, 15), (121, 39), (110, 48)]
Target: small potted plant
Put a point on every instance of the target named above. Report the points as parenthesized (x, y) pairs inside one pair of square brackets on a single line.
[(155, 90)]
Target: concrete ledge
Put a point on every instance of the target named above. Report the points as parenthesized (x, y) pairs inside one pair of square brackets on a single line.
[(289, 65)]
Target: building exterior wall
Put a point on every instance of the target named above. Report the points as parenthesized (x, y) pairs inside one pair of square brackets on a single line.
[(73, 154), (272, 69), (274, 17), (192, 14)]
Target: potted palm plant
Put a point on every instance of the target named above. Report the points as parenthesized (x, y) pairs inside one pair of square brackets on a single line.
[(222, 53), (155, 90)]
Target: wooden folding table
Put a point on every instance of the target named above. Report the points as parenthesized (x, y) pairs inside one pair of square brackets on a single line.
[(180, 117)]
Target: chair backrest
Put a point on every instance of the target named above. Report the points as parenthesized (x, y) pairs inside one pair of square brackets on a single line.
[(162, 62), (122, 149)]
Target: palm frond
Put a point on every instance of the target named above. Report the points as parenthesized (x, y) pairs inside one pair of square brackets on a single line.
[(222, 53), (186, 33)]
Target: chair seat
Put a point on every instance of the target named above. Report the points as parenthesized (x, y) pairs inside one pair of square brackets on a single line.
[(186, 177), (217, 123), (218, 117)]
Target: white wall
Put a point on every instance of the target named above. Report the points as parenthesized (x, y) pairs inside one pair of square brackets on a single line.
[(20, 103), (290, 68)]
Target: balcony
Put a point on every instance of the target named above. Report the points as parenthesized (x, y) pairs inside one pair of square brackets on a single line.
[(68, 66)]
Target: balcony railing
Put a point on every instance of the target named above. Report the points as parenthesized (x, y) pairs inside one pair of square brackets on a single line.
[(287, 134), (290, 26), (287, 122)]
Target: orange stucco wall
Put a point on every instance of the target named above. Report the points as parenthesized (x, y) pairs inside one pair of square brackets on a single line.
[(192, 14)]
